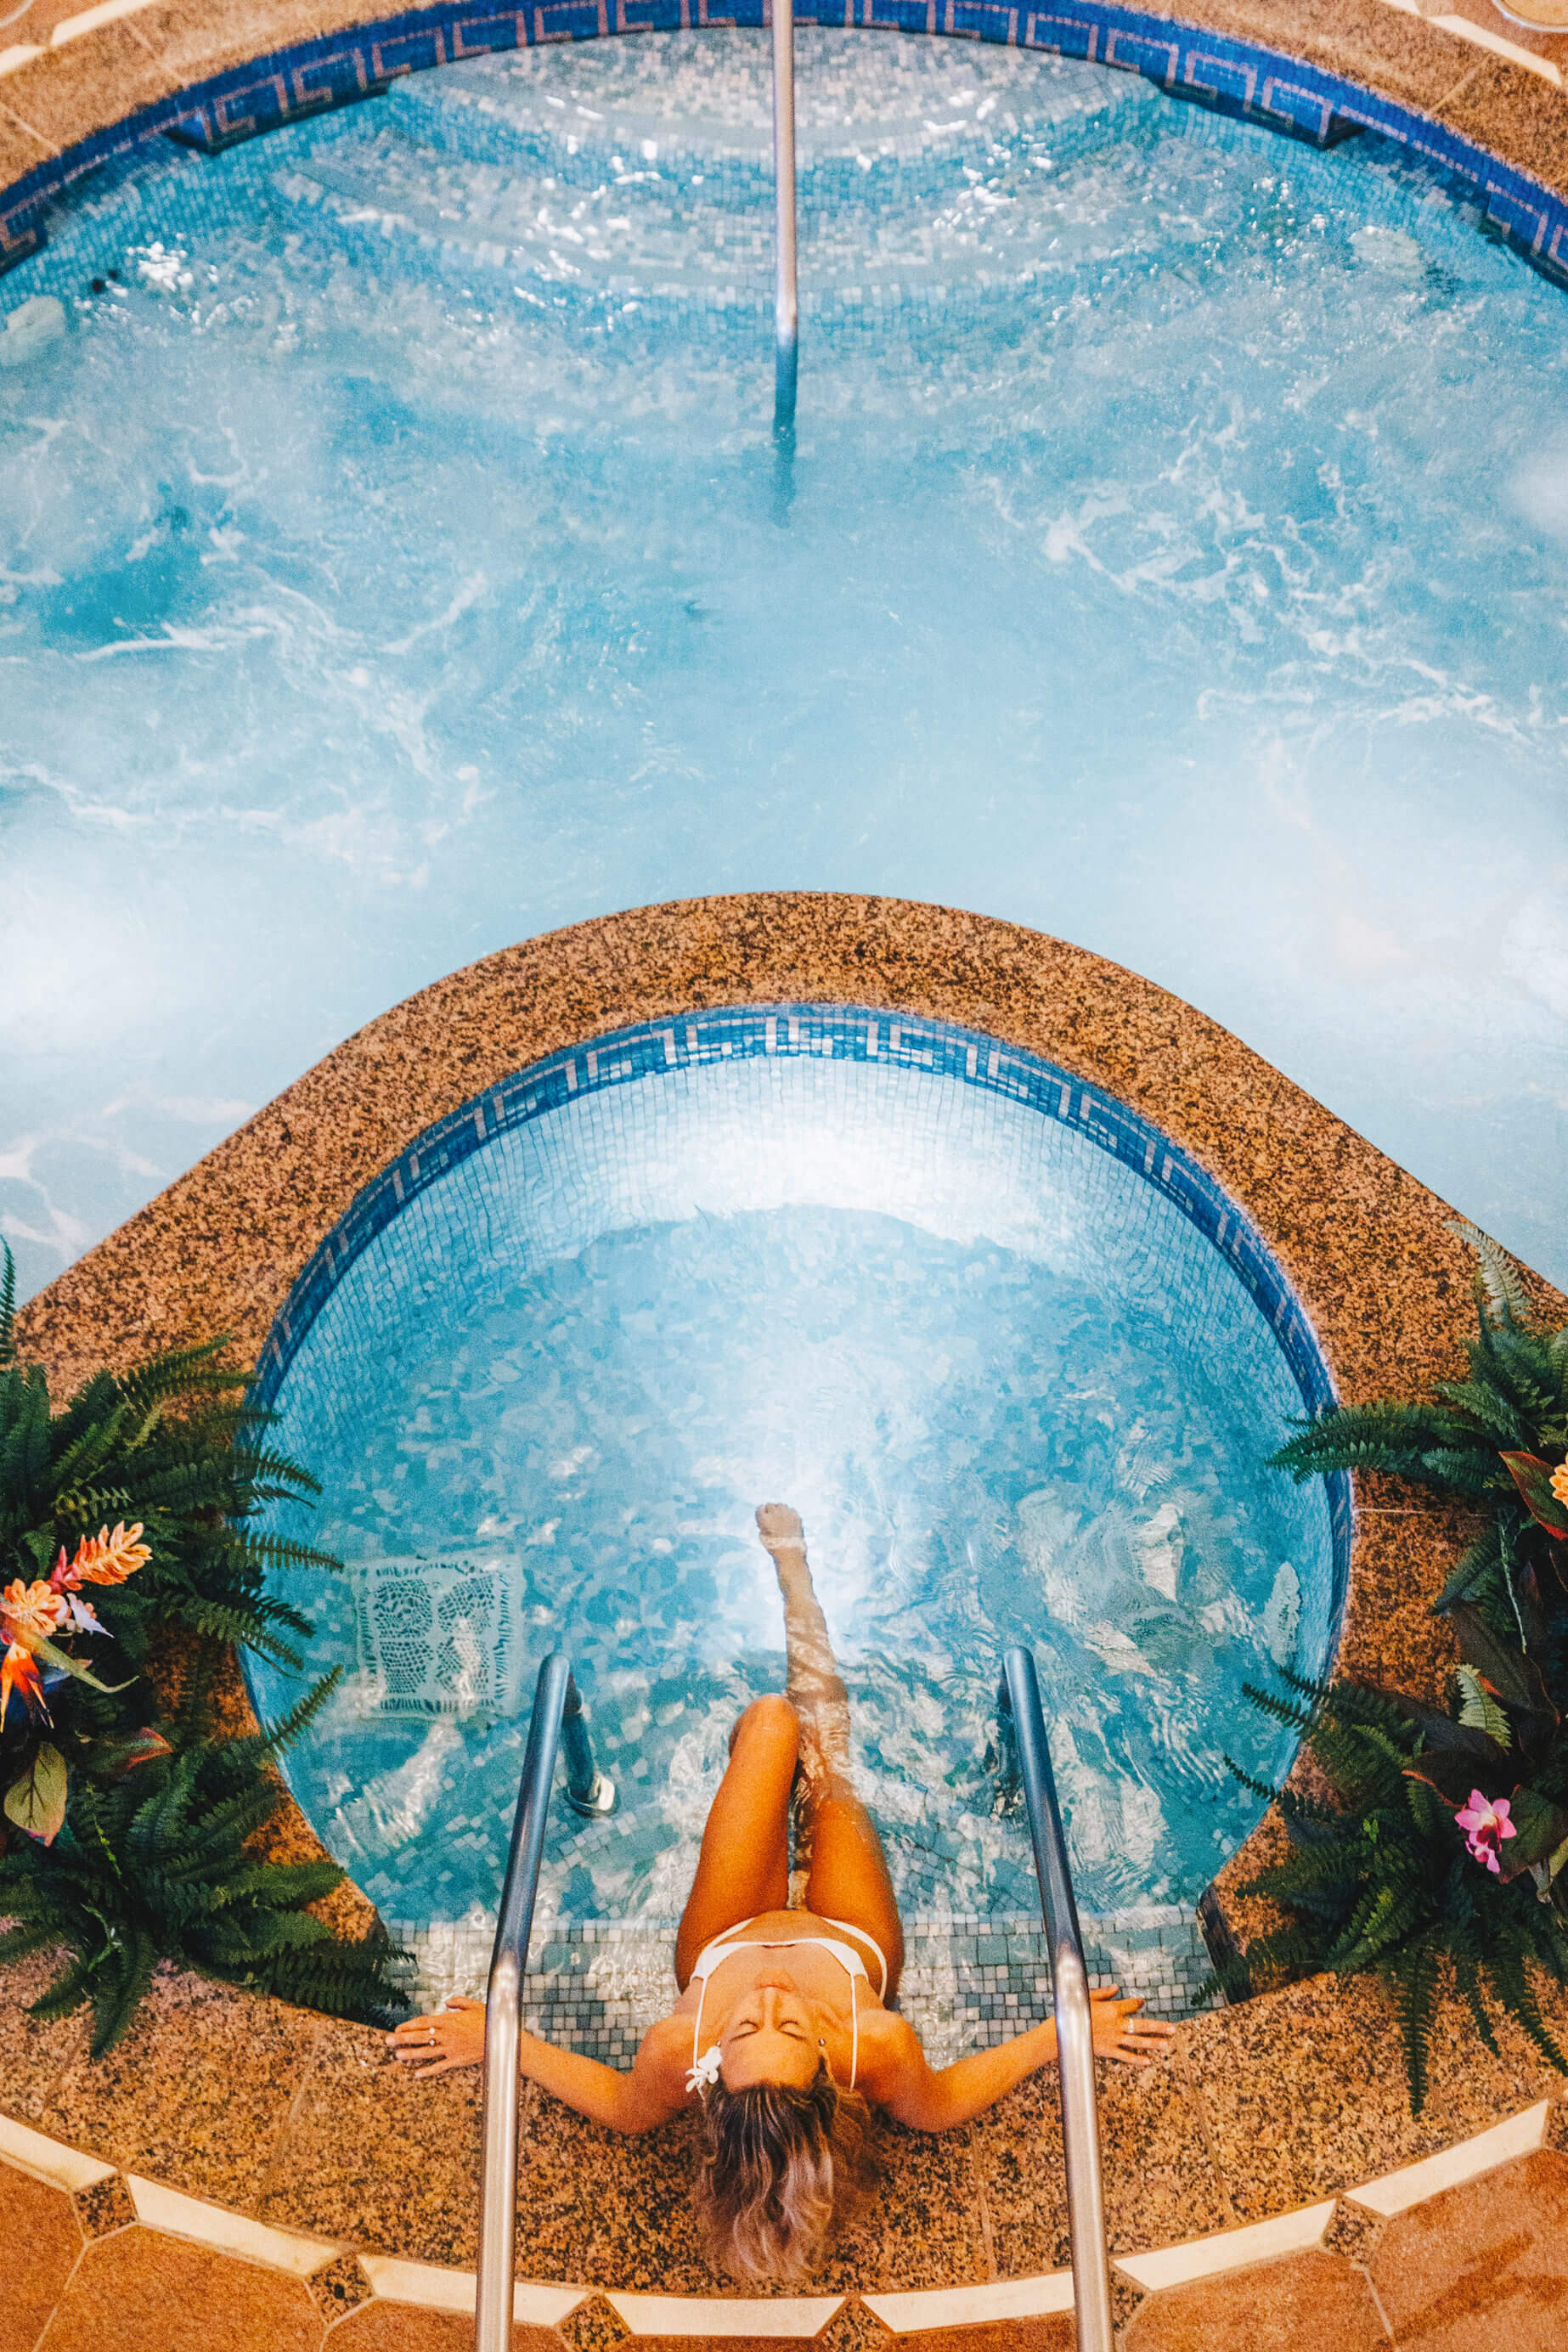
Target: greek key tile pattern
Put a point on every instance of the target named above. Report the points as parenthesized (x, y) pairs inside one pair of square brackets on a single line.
[(1229, 75)]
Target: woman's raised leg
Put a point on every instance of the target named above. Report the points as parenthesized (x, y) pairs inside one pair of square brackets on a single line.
[(848, 1870), (743, 1868), (815, 1687)]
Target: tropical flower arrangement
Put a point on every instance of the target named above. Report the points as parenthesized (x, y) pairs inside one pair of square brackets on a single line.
[(130, 1821), (1441, 1846)]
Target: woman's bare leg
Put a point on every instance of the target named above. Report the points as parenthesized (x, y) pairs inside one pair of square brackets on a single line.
[(847, 1876), (744, 1867), (813, 1684)]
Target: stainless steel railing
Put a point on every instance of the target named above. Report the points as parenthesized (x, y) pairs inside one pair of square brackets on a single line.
[(559, 1722), (1075, 2031), (786, 305)]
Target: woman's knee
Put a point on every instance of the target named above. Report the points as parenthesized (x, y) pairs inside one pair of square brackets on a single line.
[(769, 1721)]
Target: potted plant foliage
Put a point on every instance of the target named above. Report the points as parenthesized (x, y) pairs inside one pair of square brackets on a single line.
[(134, 1825), (1441, 1844)]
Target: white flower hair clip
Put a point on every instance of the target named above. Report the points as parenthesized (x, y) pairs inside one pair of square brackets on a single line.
[(705, 2073)]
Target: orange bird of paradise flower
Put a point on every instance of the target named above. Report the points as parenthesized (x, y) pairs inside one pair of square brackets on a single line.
[(29, 1615)]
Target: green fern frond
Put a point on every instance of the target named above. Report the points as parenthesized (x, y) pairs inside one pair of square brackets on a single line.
[(1477, 1574), (285, 1734), (1503, 1295), (1414, 1979), (272, 1552), (118, 1989), (1479, 1708), (7, 1306)]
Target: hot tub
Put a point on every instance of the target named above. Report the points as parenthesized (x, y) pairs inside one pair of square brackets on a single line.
[(1018, 1360)]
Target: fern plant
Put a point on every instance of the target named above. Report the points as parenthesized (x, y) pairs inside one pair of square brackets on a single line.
[(156, 1862), (138, 1828), (171, 1443), (1379, 1878), (1496, 1439), (1444, 1841)]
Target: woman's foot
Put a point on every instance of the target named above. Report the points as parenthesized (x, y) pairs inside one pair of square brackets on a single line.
[(780, 1528)]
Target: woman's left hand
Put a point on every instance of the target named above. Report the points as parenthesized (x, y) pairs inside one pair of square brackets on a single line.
[(1120, 2033), (434, 2046)]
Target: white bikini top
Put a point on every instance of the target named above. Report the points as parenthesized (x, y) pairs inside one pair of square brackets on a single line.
[(705, 2064)]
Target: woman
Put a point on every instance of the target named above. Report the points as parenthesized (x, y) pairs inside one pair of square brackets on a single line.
[(782, 2031)]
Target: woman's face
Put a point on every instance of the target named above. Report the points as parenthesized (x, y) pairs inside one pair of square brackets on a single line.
[(770, 2036)]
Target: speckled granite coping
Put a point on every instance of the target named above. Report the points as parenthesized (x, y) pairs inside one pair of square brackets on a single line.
[(1465, 84), (119, 2263), (1274, 2104)]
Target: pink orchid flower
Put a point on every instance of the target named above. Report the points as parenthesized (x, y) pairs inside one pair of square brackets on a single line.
[(1485, 1822)]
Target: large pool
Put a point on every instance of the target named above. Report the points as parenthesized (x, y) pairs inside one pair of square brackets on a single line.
[(1016, 1362), (394, 562)]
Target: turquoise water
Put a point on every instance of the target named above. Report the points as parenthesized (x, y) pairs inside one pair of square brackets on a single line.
[(393, 564), (1014, 1394)]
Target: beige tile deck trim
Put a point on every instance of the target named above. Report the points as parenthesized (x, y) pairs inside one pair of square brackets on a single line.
[(72, 28), (435, 2289), (972, 2307), (1482, 37), (797, 2317), (1520, 2135), (47, 2160), (179, 2216), (1232, 2250), (786, 2319), (1465, 29)]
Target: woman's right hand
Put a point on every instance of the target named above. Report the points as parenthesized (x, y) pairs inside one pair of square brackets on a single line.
[(434, 2046)]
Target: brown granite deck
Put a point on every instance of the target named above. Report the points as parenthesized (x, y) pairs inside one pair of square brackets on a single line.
[(1290, 2098)]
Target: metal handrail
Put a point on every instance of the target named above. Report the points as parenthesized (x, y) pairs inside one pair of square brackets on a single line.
[(559, 1721), (1075, 2024), (786, 305)]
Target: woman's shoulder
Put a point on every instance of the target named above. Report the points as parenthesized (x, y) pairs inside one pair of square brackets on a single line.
[(666, 2049), (890, 2046)]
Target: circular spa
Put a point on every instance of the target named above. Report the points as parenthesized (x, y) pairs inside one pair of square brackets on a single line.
[(1016, 1358)]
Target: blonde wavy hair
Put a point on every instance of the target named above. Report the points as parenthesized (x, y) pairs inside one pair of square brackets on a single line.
[(782, 2170)]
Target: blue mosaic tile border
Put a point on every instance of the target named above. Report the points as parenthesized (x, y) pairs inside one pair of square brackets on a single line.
[(846, 1031), (1236, 77)]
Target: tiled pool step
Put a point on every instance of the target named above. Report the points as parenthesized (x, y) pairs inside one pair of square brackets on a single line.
[(596, 1985)]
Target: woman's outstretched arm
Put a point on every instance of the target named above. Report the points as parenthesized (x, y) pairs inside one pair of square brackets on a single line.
[(934, 2099), (624, 2103)]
